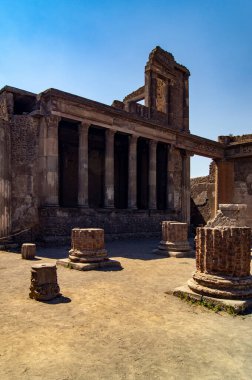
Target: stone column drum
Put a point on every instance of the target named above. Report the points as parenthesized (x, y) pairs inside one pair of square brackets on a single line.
[(87, 251), (174, 241), (87, 245), (44, 285), (223, 263)]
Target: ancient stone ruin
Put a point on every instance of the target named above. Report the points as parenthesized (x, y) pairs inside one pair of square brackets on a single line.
[(174, 241), (229, 182), (44, 284), (88, 251), (229, 215), (68, 161), (222, 273)]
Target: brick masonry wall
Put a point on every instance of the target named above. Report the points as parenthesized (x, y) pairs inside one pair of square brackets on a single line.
[(243, 185), (203, 198), (24, 163), (58, 222)]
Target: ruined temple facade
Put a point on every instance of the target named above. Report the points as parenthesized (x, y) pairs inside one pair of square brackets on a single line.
[(67, 161)]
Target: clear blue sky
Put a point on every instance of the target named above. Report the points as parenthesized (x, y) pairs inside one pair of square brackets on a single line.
[(98, 49)]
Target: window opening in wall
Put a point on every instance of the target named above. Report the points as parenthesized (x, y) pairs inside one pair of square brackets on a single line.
[(68, 163), (23, 104)]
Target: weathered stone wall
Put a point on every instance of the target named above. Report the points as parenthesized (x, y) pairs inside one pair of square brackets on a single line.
[(5, 183), (203, 198), (243, 185), (24, 145), (58, 222)]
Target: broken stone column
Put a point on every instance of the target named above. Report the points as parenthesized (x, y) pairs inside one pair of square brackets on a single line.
[(87, 245), (28, 251), (222, 267), (88, 251), (44, 285), (174, 241)]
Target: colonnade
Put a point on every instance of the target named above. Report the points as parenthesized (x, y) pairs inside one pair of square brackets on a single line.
[(178, 175)]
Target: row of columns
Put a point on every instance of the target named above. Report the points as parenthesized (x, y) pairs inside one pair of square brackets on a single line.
[(50, 157), (109, 170)]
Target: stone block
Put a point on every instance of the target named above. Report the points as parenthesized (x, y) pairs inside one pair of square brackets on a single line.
[(28, 251)]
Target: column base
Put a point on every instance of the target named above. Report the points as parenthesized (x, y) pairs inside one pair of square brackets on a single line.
[(236, 306), (178, 249), (169, 253), (105, 264)]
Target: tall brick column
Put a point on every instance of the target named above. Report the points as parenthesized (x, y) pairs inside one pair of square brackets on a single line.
[(185, 196), (109, 169), (153, 175), (49, 160), (5, 183), (223, 263), (170, 179), (83, 165), (174, 180), (132, 178)]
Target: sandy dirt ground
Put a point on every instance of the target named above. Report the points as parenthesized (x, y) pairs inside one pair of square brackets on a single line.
[(116, 324)]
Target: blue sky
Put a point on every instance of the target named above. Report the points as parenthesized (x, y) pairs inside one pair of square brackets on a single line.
[(98, 49)]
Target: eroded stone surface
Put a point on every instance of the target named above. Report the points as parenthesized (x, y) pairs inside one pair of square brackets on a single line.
[(44, 284), (223, 263), (174, 239), (87, 245)]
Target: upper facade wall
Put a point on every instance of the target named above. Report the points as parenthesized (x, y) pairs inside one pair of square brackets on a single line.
[(165, 92)]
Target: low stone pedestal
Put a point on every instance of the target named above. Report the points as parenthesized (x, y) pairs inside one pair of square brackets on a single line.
[(222, 267), (28, 251), (44, 285), (174, 241), (87, 251)]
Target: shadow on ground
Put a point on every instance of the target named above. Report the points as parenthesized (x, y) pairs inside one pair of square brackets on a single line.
[(139, 249), (131, 249)]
